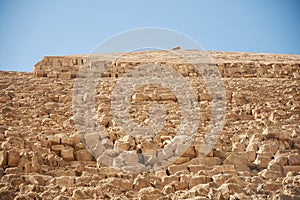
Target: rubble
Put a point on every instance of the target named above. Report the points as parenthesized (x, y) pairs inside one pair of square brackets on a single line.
[(257, 156)]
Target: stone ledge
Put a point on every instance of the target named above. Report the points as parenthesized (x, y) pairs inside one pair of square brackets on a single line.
[(231, 65)]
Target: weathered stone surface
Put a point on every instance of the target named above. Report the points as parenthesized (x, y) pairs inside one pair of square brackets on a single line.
[(169, 179), (197, 168), (67, 154), (294, 159), (286, 169), (80, 194), (256, 156), (83, 155), (37, 179), (196, 180), (235, 159), (149, 193), (230, 188), (270, 175), (262, 161), (3, 158), (7, 195), (13, 158), (66, 181), (61, 197), (168, 189), (206, 161), (140, 182), (234, 69), (173, 169), (281, 160)]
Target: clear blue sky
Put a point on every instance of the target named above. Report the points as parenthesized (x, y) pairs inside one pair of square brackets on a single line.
[(32, 29)]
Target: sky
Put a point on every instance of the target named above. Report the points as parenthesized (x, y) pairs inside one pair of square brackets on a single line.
[(32, 29)]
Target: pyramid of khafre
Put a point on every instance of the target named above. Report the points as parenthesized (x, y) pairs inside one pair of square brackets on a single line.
[(256, 155)]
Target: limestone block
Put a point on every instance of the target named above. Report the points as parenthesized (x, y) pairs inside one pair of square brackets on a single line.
[(13, 158), (16, 182), (79, 146), (243, 168), (61, 197), (235, 159), (104, 160), (294, 159), (32, 167), (3, 158), (52, 75), (45, 143), (230, 188), (165, 154), (57, 148), (204, 97), (281, 160), (148, 146), (6, 194), (122, 146), (65, 140), (168, 189), (140, 182), (67, 154), (238, 179), (65, 75), (99, 150), (207, 161), (271, 186), (37, 179), (168, 97), (181, 160), (53, 139), (149, 196), (23, 160), (190, 152), (272, 132), (286, 169), (129, 157), (238, 147), (269, 147), (176, 168), (125, 184), (262, 161), (134, 168), (79, 193), (117, 162), (64, 172), (224, 169), (76, 139), (270, 175), (196, 180), (274, 167), (203, 117), (196, 168), (67, 181), (39, 73), (137, 97), (219, 179), (169, 179), (83, 155), (249, 155), (16, 142), (183, 183), (149, 159), (91, 140)]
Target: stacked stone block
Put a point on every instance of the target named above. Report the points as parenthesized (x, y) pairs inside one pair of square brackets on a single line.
[(256, 157)]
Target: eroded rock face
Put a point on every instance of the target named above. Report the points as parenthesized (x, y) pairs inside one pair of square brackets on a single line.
[(256, 157)]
